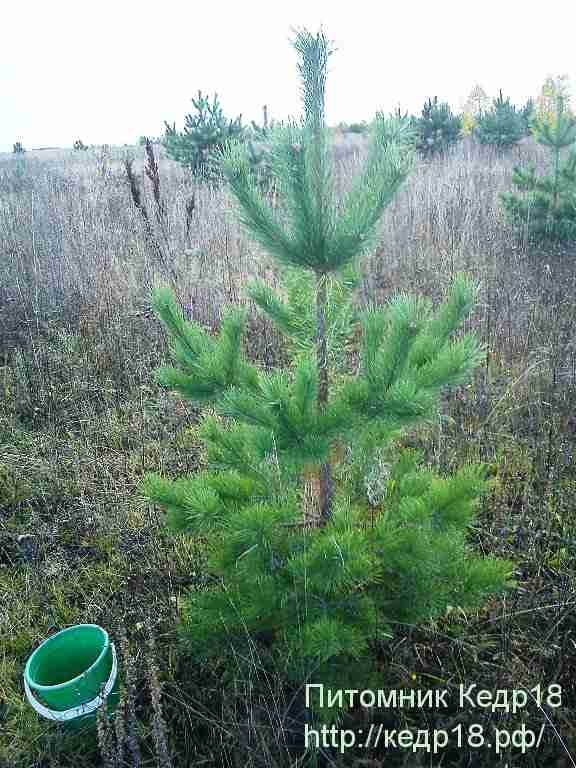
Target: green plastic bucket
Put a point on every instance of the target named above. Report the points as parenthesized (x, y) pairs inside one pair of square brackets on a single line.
[(69, 674)]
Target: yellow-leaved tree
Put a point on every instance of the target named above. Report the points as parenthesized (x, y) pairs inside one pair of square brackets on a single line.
[(474, 107), (553, 90)]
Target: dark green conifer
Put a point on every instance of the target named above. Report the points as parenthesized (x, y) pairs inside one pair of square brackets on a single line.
[(502, 126), (437, 129), (528, 113), (259, 140), (205, 134)]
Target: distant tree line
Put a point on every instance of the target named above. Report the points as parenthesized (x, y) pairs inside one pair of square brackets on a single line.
[(546, 206), (495, 122)]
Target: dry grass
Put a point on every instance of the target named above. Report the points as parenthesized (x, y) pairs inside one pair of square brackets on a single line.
[(80, 421)]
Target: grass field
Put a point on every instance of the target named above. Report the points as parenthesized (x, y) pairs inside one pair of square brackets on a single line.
[(81, 421)]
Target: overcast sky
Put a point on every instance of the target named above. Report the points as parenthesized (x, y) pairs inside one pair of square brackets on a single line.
[(107, 72)]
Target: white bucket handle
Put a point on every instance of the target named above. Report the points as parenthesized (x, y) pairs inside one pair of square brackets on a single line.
[(65, 715)]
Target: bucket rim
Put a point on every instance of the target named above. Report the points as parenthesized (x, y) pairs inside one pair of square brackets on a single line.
[(38, 686)]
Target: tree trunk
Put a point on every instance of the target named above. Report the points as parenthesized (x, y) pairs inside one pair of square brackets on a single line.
[(326, 485), (311, 497)]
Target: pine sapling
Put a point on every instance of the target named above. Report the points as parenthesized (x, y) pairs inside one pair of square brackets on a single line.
[(502, 126), (547, 209), (437, 128), (389, 542), (205, 132)]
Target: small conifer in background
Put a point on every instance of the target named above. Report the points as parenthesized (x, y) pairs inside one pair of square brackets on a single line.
[(528, 113), (204, 135), (502, 126), (319, 573), (437, 128), (258, 146), (547, 208)]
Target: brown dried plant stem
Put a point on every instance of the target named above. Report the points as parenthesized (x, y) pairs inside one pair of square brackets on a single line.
[(151, 170)]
